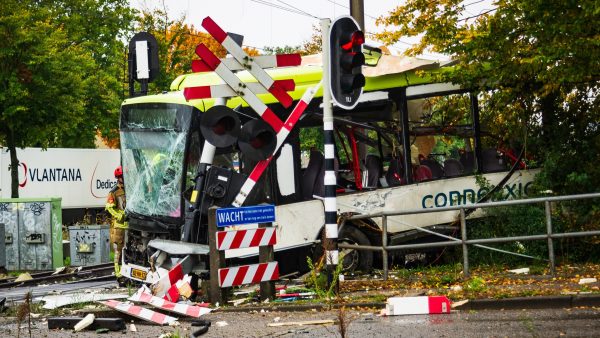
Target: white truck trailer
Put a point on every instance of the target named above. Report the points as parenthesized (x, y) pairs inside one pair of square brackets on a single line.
[(82, 178)]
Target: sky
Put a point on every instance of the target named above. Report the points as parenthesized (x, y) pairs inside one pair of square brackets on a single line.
[(262, 23), (277, 23)]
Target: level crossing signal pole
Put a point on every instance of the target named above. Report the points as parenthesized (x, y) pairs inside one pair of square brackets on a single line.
[(330, 205)]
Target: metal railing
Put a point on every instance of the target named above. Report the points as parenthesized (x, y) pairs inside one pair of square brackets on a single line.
[(463, 241)]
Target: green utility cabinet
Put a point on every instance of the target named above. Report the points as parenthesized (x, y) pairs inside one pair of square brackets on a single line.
[(33, 233)]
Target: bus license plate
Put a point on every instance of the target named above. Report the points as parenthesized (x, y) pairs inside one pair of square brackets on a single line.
[(139, 274)]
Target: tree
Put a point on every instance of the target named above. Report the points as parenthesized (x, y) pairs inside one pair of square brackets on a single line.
[(59, 72), (539, 57)]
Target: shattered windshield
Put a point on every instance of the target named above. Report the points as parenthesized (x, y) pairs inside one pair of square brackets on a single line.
[(152, 155)]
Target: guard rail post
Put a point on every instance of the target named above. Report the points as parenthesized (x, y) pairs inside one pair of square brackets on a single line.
[(384, 252), (463, 233), (549, 232), (216, 260)]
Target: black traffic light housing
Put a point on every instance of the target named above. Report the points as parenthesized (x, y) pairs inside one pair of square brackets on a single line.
[(345, 62)]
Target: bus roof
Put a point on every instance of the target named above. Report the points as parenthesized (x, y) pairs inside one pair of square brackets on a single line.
[(390, 72)]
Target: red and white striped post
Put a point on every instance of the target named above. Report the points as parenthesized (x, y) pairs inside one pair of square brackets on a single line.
[(265, 273)]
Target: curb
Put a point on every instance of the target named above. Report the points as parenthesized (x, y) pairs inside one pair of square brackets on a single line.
[(541, 302)]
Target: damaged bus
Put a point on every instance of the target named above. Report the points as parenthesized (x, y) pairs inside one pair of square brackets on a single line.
[(408, 144)]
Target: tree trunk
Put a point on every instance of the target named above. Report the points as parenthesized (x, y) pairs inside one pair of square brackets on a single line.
[(548, 105), (14, 165)]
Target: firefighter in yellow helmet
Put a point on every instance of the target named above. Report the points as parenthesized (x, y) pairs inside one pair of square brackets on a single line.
[(115, 205)]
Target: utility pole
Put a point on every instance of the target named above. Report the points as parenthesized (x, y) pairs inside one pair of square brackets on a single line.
[(357, 11)]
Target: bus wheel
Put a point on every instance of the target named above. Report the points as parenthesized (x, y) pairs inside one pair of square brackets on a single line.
[(355, 260)]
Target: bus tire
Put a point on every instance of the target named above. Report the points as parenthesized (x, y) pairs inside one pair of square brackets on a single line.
[(355, 260)]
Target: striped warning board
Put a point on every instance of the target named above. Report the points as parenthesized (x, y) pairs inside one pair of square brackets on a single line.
[(263, 61), (224, 90), (417, 305), (140, 312), (248, 274), (237, 239), (239, 87), (180, 308), (240, 55)]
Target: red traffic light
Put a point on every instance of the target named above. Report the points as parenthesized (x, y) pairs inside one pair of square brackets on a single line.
[(357, 38), (345, 62)]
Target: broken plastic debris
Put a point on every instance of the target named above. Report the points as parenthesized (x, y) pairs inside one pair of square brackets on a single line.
[(456, 288), (587, 280), (56, 301), (520, 271), (23, 277), (85, 322), (132, 327), (221, 324), (459, 303)]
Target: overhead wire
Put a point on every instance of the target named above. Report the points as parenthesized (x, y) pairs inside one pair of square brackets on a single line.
[(288, 9), (296, 8)]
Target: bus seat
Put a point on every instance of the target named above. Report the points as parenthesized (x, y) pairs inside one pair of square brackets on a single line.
[(437, 171), (422, 173), (312, 173), (373, 165), (453, 167), (492, 161), (467, 159), (395, 173)]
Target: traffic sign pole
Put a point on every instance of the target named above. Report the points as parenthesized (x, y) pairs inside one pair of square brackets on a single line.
[(330, 204)]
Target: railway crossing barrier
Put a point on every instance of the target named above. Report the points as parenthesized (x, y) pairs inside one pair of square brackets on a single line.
[(263, 237)]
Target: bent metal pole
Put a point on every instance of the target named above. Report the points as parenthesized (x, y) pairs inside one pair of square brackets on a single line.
[(329, 200)]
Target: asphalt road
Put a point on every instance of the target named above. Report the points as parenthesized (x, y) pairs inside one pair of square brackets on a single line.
[(574, 322)]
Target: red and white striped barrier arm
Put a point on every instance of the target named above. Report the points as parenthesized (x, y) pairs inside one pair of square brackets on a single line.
[(224, 90), (237, 239), (183, 309), (248, 274), (238, 53), (176, 273), (288, 125), (140, 312), (417, 305), (239, 87), (263, 61)]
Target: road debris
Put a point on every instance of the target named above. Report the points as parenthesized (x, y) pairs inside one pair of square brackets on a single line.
[(143, 295), (307, 322), (204, 324), (140, 312), (459, 303), (23, 277), (587, 281), (522, 271), (85, 322), (396, 306), (132, 327), (56, 301), (68, 323)]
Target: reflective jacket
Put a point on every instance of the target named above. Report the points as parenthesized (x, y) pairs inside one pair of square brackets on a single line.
[(115, 205)]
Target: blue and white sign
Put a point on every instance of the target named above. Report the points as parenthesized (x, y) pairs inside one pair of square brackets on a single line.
[(245, 215)]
